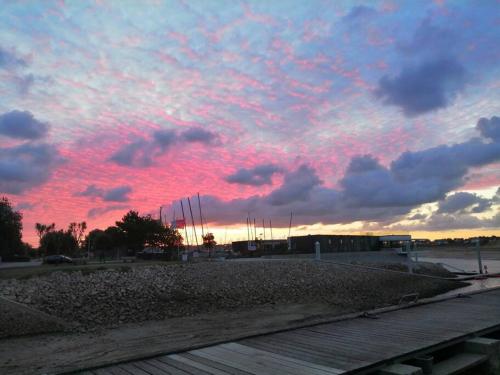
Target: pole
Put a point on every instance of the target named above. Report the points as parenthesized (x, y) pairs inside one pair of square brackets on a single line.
[(201, 217), (290, 226), (479, 260), (408, 252), (318, 250), (185, 225), (264, 229), (248, 231), (254, 230), (161, 222), (194, 225), (416, 252), (271, 229)]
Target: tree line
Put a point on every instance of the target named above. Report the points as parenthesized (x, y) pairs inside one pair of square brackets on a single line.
[(128, 236)]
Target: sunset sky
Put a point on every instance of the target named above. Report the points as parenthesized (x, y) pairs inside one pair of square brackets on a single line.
[(374, 116)]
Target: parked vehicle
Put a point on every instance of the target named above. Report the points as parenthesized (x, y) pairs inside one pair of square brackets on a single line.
[(57, 259)]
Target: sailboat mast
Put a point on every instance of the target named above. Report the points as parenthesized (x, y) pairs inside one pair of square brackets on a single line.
[(254, 230), (185, 225), (248, 230), (194, 225), (201, 216)]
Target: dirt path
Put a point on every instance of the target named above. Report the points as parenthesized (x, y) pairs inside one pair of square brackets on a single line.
[(58, 353)]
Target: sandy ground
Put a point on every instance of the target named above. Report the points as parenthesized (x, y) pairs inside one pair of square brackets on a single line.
[(57, 353), (18, 320)]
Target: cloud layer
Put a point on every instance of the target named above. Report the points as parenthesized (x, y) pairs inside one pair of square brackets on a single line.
[(26, 166), (22, 125), (257, 176), (423, 88), (203, 94), (115, 194), (369, 191), (142, 152)]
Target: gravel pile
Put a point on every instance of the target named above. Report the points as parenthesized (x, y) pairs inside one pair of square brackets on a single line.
[(111, 297)]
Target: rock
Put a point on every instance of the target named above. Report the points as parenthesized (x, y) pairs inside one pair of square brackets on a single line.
[(105, 297)]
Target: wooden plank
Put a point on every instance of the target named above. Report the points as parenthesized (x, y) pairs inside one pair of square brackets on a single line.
[(165, 360), (341, 343), (199, 365), (242, 362), (151, 369), (217, 365), (110, 371), (338, 353), (287, 364), (165, 366), (321, 355), (307, 354), (313, 368), (384, 334), (128, 367)]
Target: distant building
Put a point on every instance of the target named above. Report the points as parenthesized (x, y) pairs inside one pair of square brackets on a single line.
[(333, 243), (259, 247)]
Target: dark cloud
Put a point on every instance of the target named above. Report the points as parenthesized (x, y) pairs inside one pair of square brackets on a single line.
[(257, 176), (142, 152), (116, 194), (463, 202), (198, 134), (297, 186), (490, 128), (22, 125), (9, 59), (439, 221), (446, 164), (24, 206), (135, 154), (425, 87), (364, 163), (430, 40), (26, 166), (90, 191), (164, 139), (369, 191), (98, 211)]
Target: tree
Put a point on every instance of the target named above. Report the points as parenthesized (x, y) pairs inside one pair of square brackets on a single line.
[(163, 237), (115, 236), (139, 231), (58, 242), (10, 230), (134, 231), (41, 229), (209, 241), (77, 230)]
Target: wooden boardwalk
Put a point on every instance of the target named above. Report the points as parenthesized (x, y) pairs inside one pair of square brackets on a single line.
[(359, 344)]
